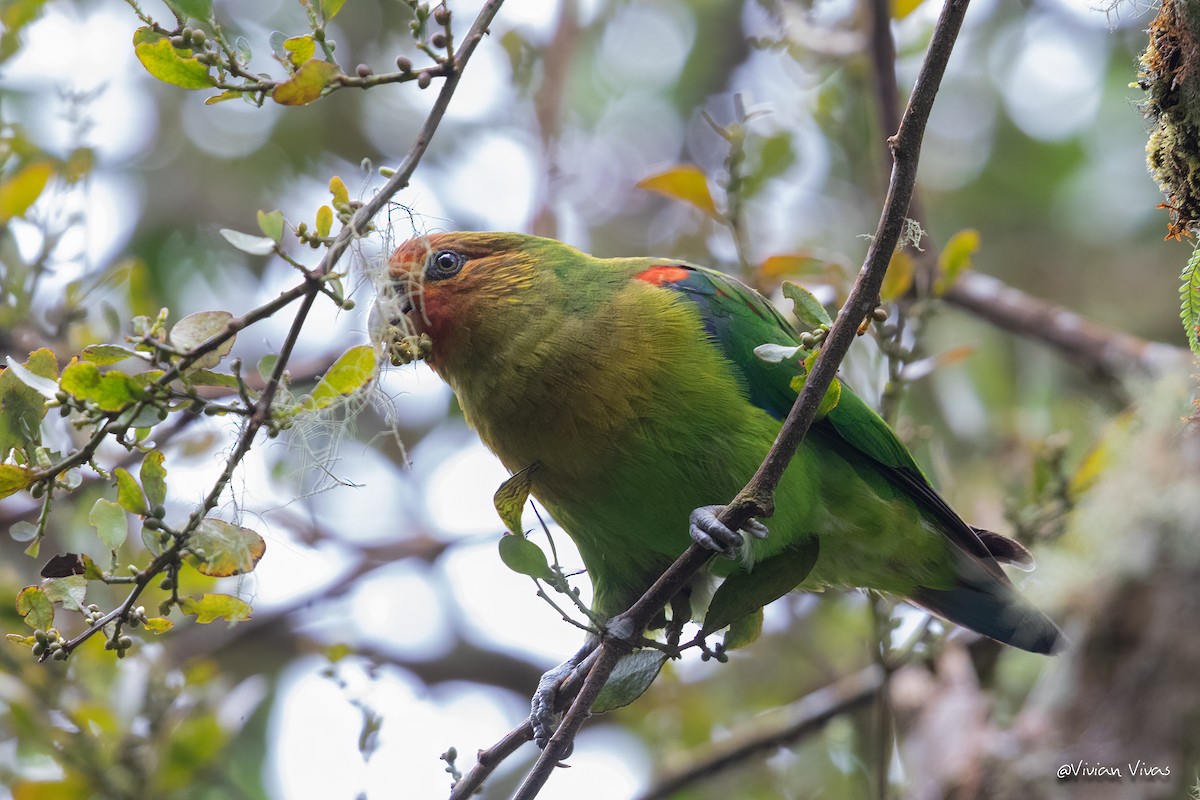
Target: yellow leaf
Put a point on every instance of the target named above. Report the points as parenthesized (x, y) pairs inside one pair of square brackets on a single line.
[(307, 84), (169, 64), (13, 479), (212, 607), (353, 370), (899, 277), (20, 191), (790, 265), (324, 220), (299, 49), (955, 258), (687, 183), (902, 8), (228, 94), (337, 188)]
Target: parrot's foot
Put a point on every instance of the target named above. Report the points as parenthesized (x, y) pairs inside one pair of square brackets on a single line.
[(543, 712), (709, 532)]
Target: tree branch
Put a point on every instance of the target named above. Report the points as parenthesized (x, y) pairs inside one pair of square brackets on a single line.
[(797, 720), (757, 498), (1107, 351), (307, 292)]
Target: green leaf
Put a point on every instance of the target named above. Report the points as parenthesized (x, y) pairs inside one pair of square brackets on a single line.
[(170, 65), (524, 557), (35, 608), (330, 8), (13, 479), (773, 157), (108, 519), (629, 680), (195, 9), (158, 625), (196, 329), (299, 49), (204, 377), (70, 591), (745, 631), (511, 496), (129, 494), (1189, 301), (112, 391), (22, 190), (350, 373), (228, 549), (807, 307), (104, 354), (266, 365), (24, 390), (194, 748), (307, 84), (744, 593), (212, 607), (833, 394), (955, 259), (685, 182), (152, 538), (17, 639), (271, 224)]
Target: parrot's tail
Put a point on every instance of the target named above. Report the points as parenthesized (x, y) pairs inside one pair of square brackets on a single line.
[(991, 605)]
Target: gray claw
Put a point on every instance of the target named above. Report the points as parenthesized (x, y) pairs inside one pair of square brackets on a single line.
[(709, 532), (542, 711)]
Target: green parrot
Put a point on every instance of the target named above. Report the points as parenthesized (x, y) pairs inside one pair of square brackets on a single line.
[(633, 386)]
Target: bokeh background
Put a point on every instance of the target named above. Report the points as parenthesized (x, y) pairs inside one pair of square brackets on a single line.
[(385, 628)]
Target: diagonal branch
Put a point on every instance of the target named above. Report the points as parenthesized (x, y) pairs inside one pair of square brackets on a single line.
[(798, 720), (1107, 352), (757, 498)]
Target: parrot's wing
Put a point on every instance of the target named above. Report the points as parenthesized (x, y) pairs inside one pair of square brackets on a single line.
[(739, 319)]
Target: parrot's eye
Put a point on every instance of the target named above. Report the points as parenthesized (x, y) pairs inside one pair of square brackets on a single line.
[(443, 264)]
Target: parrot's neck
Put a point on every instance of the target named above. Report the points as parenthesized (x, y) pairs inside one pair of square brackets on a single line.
[(553, 389)]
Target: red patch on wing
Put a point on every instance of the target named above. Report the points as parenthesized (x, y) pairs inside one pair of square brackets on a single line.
[(661, 274)]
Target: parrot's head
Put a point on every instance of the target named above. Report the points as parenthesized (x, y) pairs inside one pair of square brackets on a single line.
[(468, 291)]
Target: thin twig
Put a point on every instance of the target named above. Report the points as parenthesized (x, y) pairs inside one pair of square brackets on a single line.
[(308, 290), (799, 719), (757, 498)]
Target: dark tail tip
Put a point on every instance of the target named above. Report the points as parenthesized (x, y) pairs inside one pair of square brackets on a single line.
[(996, 610)]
